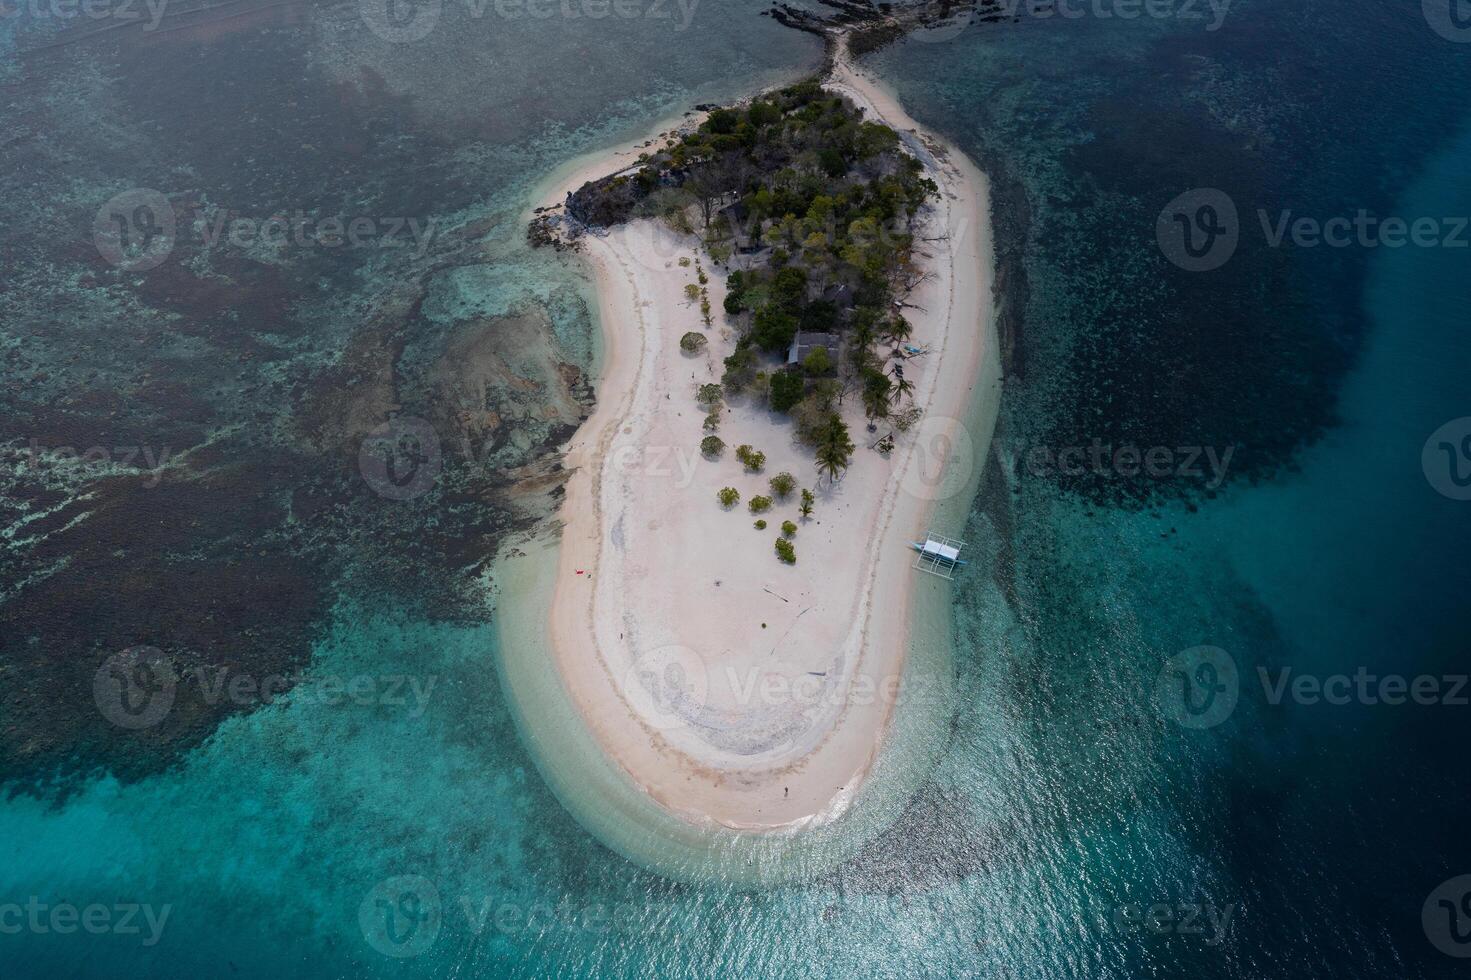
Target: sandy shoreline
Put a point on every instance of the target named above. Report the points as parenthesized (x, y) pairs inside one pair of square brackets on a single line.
[(734, 691)]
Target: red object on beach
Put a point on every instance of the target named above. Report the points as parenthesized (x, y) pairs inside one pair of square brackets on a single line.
[(579, 571)]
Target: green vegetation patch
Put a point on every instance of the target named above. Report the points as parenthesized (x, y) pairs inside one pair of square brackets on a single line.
[(820, 203)]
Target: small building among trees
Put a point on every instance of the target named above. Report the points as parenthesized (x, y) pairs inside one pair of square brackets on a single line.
[(804, 342)]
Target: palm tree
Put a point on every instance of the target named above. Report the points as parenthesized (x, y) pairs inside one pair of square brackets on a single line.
[(834, 448), (829, 463), (898, 329), (902, 386), (875, 402), (876, 388)]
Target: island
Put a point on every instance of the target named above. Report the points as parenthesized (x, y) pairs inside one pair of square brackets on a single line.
[(799, 342)]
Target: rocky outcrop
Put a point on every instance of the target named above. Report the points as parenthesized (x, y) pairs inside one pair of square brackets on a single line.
[(608, 201)]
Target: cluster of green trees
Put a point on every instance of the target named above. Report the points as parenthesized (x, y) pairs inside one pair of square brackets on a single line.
[(827, 200), (831, 198), (752, 459)]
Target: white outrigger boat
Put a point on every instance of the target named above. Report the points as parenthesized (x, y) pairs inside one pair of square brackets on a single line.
[(938, 555)]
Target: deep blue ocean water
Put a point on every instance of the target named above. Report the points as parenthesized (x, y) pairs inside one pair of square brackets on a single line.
[(1074, 827), (1326, 827)]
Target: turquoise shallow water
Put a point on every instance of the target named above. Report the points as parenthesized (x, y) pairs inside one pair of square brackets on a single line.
[(1066, 804)]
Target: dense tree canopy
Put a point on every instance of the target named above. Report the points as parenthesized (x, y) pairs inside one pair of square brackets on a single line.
[(819, 203)]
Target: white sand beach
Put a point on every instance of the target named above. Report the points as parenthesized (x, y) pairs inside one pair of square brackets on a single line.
[(736, 691)]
